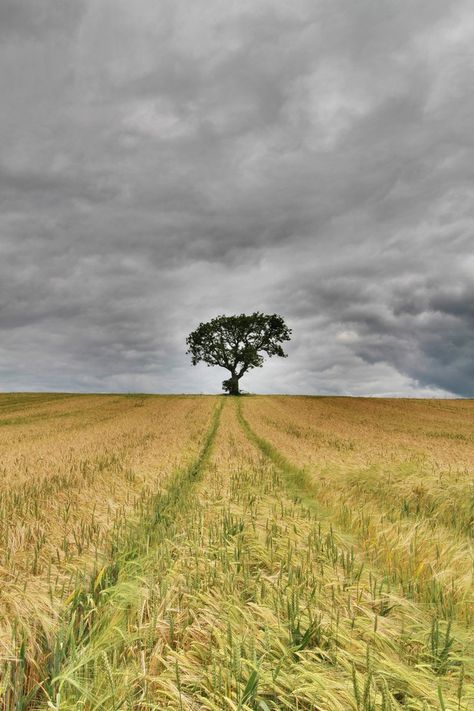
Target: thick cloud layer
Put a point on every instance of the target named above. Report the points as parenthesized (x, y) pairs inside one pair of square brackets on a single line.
[(164, 161)]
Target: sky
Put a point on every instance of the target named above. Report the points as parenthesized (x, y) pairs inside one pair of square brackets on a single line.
[(166, 161)]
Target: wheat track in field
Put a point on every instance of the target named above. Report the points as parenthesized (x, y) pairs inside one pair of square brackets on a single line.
[(221, 553), (73, 468)]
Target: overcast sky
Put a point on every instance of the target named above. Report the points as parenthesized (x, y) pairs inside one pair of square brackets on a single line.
[(162, 162)]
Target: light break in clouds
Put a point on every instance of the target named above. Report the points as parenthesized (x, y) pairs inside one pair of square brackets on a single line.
[(165, 161)]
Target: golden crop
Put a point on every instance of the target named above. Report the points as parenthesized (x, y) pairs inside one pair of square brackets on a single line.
[(255, 553), (72, 470)]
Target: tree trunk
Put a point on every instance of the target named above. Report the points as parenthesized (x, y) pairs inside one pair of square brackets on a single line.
[(231, 385), (234, 385)]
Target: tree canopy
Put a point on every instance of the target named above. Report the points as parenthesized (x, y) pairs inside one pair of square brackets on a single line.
[(238, 343)]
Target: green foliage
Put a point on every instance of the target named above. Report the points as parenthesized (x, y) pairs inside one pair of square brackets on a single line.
[(238, 343), (440, 645)]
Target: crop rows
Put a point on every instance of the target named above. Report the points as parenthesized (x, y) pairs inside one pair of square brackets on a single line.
[(281, 563)]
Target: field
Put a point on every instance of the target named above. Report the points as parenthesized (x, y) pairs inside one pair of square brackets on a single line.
[(254, 553)]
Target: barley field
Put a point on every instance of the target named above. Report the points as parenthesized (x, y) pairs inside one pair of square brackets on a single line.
[(255, 553)]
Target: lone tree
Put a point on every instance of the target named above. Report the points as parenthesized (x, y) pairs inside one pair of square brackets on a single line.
[(238, 343)]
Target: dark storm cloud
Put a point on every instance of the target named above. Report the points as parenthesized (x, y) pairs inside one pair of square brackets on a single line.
[(24, 18), (162, 162)]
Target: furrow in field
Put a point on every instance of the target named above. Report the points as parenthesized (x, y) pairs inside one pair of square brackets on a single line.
[(97, 625), (72, 506), (248, 600), (403, 621), (235, 591)]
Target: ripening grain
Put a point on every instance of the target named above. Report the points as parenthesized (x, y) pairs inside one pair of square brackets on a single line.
[(260, 553), (73, 470), (398, 474)]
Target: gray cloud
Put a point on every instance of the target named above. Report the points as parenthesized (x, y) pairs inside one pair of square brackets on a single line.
[(162, 162), (23, 18)]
